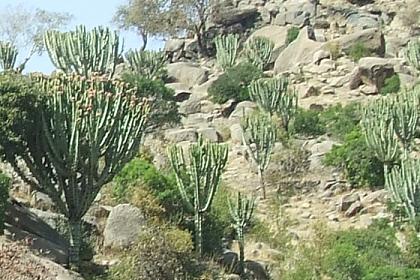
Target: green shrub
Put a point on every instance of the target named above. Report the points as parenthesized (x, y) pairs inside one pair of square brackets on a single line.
[(359, 50), (233, 84), (339, 120), (391, 85), (164, 109), (412, 254), (4, 195), (393, 273), (292, 34), (361, 167), (162, 252), (308, 123), (342, 263)]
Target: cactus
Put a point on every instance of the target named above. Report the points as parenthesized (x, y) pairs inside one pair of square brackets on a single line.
[(259, 135), (378, 127), (4, 195), (267, 93), (412, 53), (226, 50), (202, 175), (241, 214), (149, 64), (90, 129), (287, 108), (8, 55), (404, 185), (405, 115), (258, 51), (84, 52)]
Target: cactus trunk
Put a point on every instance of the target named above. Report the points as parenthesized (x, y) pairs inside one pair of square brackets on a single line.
[(241, 243), (261, 181), (75, 230), (198, 223)]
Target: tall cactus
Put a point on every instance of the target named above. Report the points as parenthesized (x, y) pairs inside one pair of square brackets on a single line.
[(258, 51), (259, 135), (241, 214), (149, 64), (202, 175), (267, 92), (90, 129), (226, 50), (8, 55), (287, 107), (404, 184), (84, 52), (412, 53)]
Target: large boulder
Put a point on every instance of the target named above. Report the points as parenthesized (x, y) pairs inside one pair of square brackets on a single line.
[(372, 71), (296, 12), (299, 52), (189, 74), (362, 20), (277, 34), (230, 15), (177, 135), (372, 39), (123, 226)]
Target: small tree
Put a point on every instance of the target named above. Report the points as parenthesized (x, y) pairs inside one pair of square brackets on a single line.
[(241, 214), (4, 195), (259, 135), (201, 175)]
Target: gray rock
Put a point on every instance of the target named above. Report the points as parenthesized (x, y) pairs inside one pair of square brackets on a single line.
[(296, 12), (362, 20), (372, 71), (229, 260), (189, 74), (277, 34), (243, 108), (256, 269), (231, 15), (354, 208), (209, 133), (123, 226), (347, 200), (41, 201), (179, 135), (174, 45), (236, 133)]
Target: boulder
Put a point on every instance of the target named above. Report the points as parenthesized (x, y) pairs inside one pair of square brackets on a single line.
[(230, 15), (174, 45), (277, 34), (41, 201), (229, 260), (123, 226), (242, 109), (300, 51), (256, 269), (209, 133), (182, 92), (372, 71), (372, 39), (347, 200), (296, 12), (177, 135), (236, 133), (189, 74), (362, 21), (354, 208)]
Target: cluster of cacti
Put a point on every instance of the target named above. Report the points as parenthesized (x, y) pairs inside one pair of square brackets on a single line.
[(241, 214), (259, 135), (8, 55), (84, 52), (201, 175), (227, 47), (273, 95), (412, 53), (258, 51), (4, 195), (90, 129), (267, 93), (390, 126), (149, 64), (404, 184)]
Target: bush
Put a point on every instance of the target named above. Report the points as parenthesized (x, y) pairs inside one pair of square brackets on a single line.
[(162, 252), (361, 167), (334, 49), (339, 120), (359, 50), (308, 123), (4, 195), (233, 84), (164, 109), (342, 263), (391, 85), (412, 254), (393, 273), (292, 34)]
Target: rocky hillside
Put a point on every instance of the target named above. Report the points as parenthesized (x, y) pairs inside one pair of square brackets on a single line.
[(339, 52)]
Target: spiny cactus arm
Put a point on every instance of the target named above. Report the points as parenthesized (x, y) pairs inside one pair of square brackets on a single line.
[(226, 50), (242, 211), (412, 53), (150, 64), (258, 51), (266, 92), (178, 164), (8, 55), (287, 107)]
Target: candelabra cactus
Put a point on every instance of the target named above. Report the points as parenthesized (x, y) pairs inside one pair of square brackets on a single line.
[(259, 135), (8, 55), (258, 51), (287, 108), (201, 175), (404, 184), (226, 50), (241, 214), (90, 129), (149, 64), (84, 52), (267, 93), (412, 53)]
